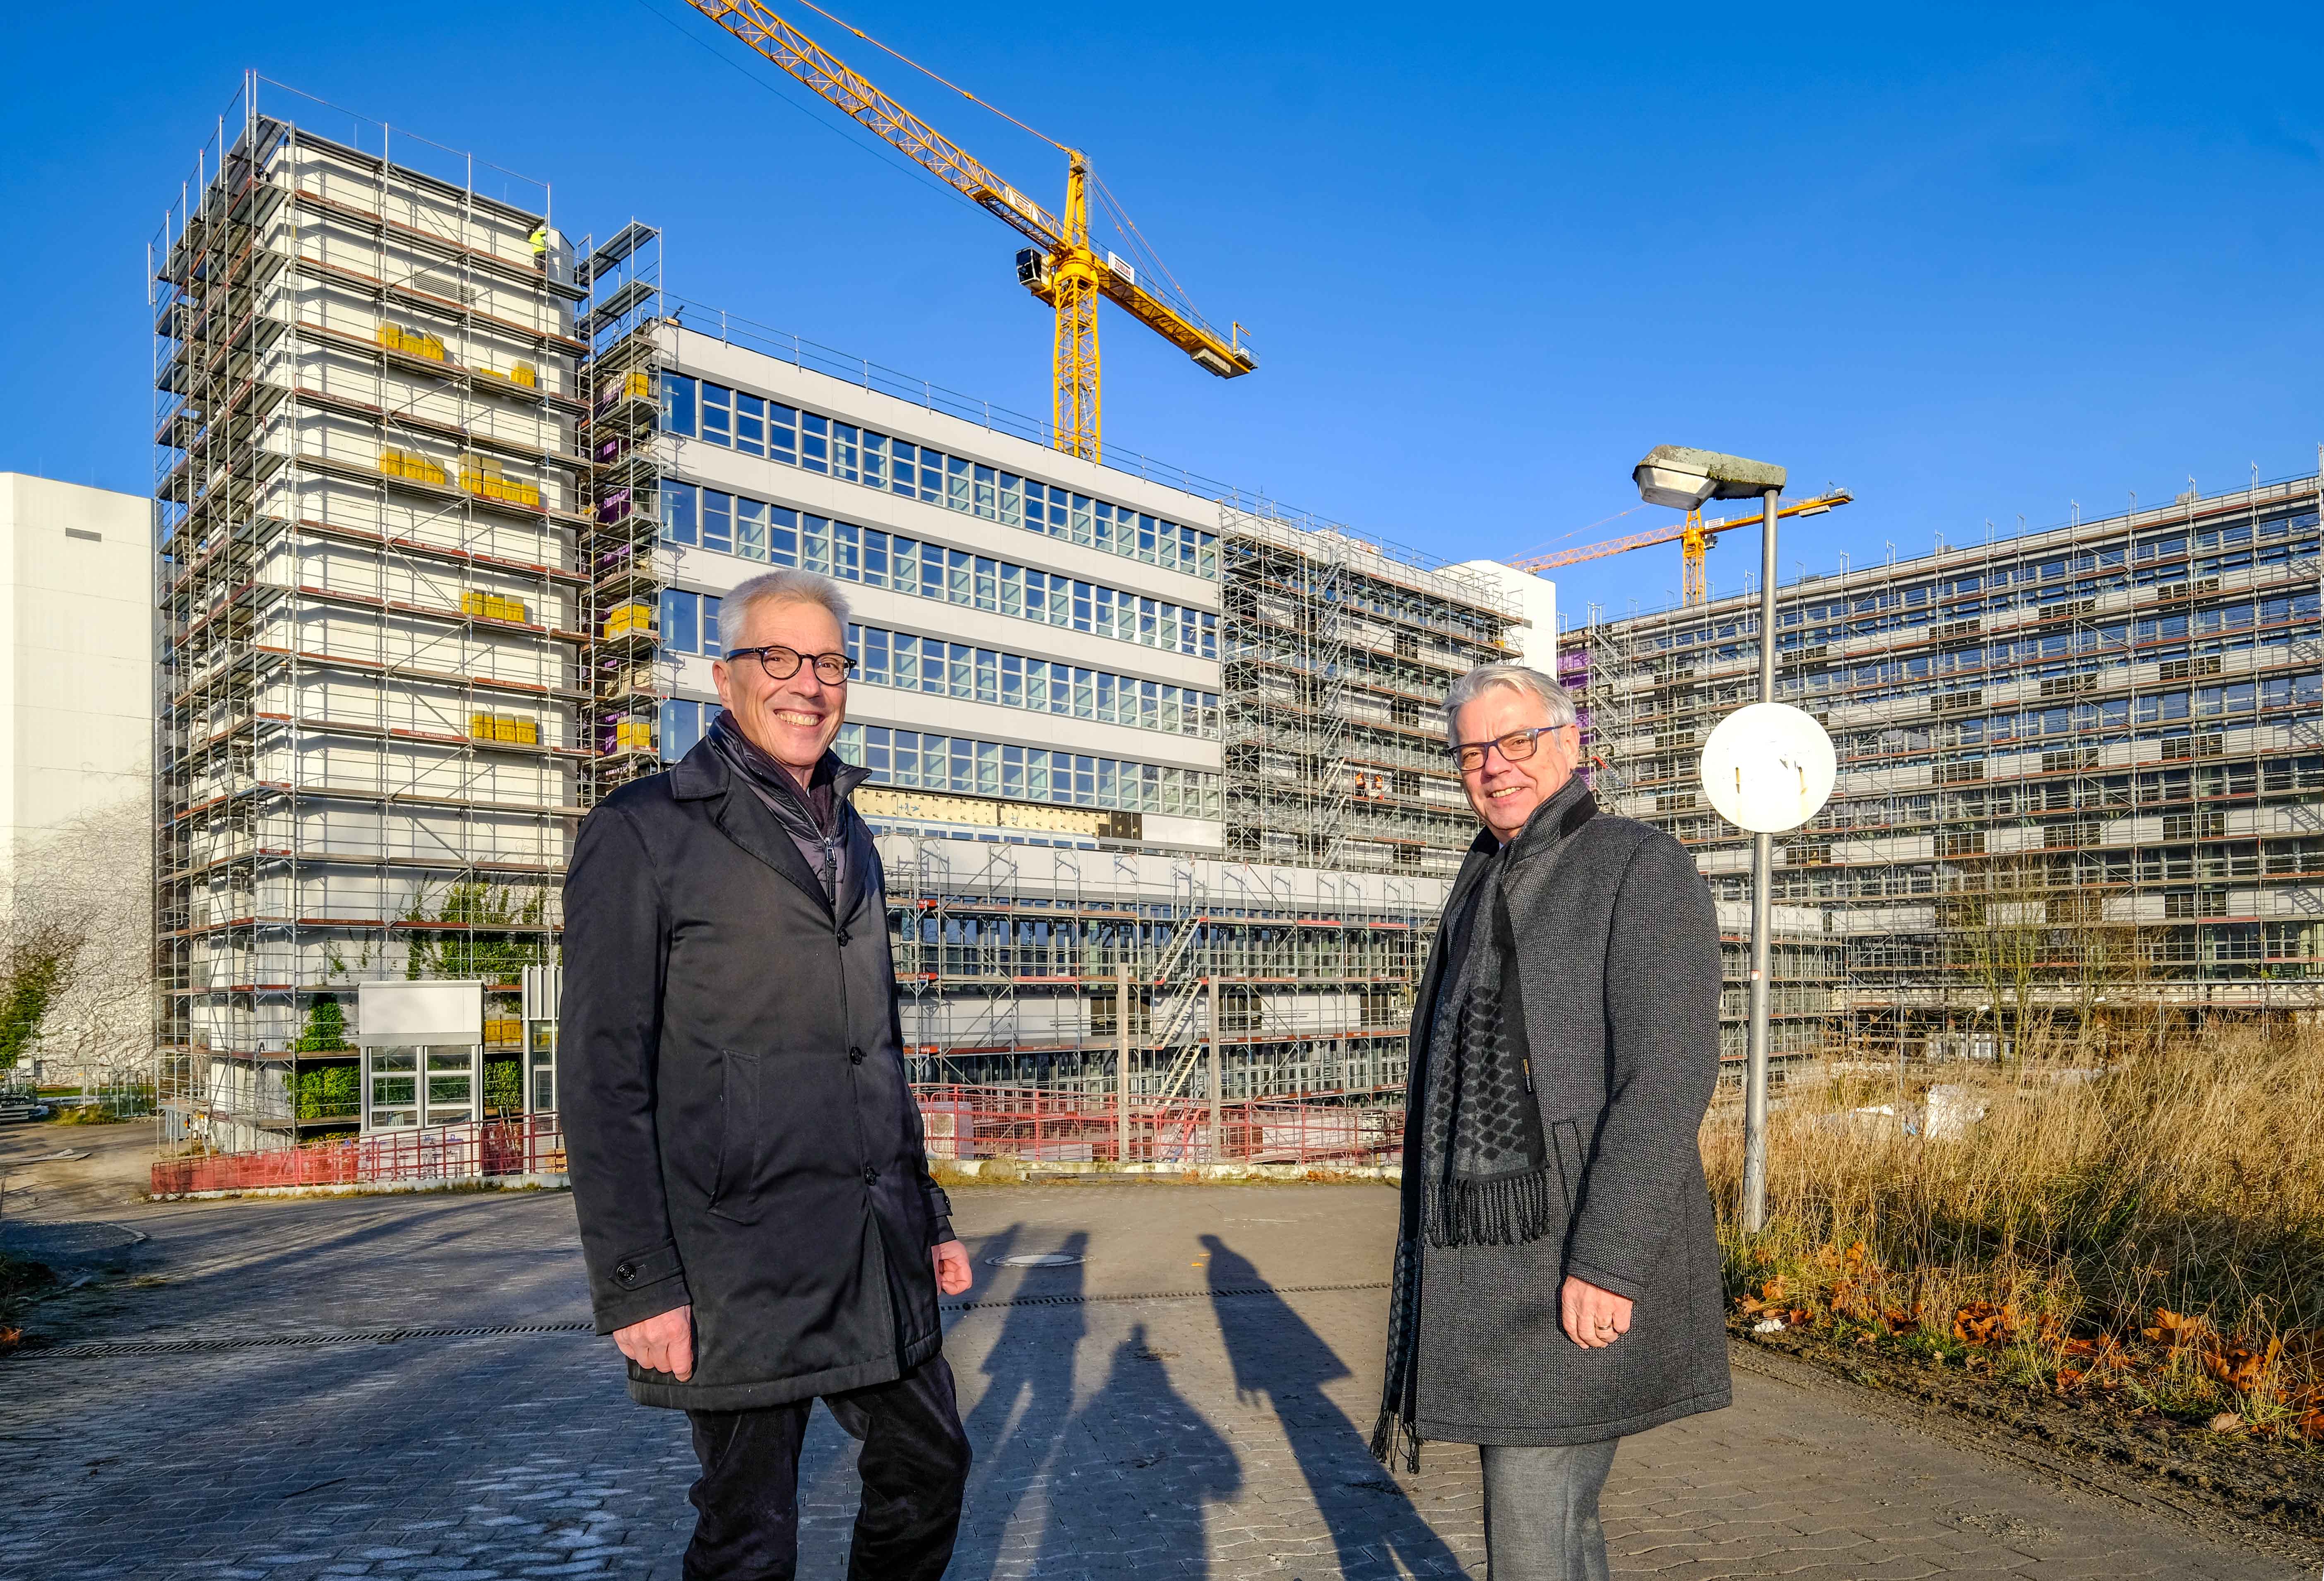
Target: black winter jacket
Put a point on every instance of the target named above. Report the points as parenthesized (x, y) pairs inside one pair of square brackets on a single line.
[(740, 1131)]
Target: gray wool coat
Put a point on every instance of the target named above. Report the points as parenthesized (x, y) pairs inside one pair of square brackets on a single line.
[(1616, 947)]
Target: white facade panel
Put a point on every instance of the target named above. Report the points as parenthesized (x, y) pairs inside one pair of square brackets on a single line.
[(76, 705)]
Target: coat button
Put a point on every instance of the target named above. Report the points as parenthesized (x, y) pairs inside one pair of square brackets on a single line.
[(855, 1057), (870, 1175), (626, 1272), (843, 938)]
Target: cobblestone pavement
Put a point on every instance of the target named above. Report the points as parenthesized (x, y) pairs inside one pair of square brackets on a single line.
[(1207, 1433)]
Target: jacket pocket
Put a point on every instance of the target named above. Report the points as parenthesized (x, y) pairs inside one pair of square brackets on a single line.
[(1565, 1137), (742, 1138)]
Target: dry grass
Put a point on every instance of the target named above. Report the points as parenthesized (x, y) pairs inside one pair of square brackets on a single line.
[(2156, 1234)]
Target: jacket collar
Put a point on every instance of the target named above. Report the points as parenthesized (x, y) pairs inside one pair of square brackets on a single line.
[(703, 774)]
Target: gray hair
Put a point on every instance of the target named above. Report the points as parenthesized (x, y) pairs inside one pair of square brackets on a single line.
[(777, 588), (1518, 678)]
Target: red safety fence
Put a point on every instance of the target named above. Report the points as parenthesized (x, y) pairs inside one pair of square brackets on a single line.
[(531, 1144), (1036, 1125), (1042, 1125)]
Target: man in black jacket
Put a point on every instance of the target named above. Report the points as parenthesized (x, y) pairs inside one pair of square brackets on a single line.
[(756, 1211), (1557, 1275)]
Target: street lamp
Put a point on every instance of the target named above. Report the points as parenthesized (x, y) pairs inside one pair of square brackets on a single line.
[(1683, 479)]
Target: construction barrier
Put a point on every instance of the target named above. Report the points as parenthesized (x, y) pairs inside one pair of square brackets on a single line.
[(1042, 1125), (1036, 1125), (531, 1144)]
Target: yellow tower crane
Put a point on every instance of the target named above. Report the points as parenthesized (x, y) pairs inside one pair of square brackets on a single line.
[(1695, 537), (1061, 267)]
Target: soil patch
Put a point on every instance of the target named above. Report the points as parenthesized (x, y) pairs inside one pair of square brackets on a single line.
[(2276, 1481)]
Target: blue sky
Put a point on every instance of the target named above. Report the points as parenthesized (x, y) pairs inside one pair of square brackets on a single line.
[(1974, 262)]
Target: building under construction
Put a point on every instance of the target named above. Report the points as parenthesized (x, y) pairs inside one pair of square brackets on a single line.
[(445, 514), (367, 758), (2079, 775), (1118, 719)]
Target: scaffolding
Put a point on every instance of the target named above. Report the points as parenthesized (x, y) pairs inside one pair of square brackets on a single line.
[(2079, 772), (1337, 655), (1010, 960), (364, 489), (622, 384)]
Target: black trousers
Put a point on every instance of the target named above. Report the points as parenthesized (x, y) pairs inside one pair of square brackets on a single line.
[(914, 1465)]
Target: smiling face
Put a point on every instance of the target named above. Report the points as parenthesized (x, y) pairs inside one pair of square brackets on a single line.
[(1504, 793), (793, 720)]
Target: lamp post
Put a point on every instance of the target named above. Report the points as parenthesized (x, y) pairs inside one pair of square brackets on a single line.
[(1683, 478)]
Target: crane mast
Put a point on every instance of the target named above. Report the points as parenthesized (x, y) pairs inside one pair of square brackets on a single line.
[(1061, 268)]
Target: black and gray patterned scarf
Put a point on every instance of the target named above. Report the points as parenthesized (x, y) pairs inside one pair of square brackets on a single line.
[(1478, 1171)]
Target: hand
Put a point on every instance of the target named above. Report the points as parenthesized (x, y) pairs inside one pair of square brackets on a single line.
[(1593, 1319), (663, 1343), (953, 1273)]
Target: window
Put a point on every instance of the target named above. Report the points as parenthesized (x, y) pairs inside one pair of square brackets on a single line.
[(681, 617), (678, 509), (815, 442), (750, 424), (782, 432), (683, 723), (717, 414), (750, 529), (717, 521), (846, 450), (677, 405)]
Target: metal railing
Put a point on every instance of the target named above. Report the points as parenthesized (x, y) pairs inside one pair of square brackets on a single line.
[(530, 1144)]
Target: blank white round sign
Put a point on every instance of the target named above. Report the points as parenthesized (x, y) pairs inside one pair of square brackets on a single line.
[(1768, 767)]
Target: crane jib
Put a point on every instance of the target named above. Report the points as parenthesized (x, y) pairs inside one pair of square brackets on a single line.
[(1071, 289)]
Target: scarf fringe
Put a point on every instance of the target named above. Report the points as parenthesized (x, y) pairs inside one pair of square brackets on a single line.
[(1391, 1430), (1503, 1210)]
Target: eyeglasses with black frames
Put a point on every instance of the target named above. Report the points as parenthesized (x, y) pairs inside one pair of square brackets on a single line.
[(1514, 747), (780, 663)]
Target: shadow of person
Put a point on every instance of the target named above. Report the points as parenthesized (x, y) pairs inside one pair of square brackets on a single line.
[(1135, 1429), (1279, 1359), (1022, 1414)]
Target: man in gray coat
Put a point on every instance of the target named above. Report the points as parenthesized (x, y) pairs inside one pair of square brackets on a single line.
[(1557, 1271), (756, 1211)]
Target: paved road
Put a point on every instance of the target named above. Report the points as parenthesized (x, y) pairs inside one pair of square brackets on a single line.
[(1215, 1428)]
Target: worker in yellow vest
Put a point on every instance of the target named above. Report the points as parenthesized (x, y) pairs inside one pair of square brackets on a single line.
[(539, 241)]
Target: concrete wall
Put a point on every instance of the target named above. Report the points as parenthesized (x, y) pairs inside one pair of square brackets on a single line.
[(76, 656)]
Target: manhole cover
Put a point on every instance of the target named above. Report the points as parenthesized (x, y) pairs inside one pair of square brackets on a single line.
[(1034, 1260)]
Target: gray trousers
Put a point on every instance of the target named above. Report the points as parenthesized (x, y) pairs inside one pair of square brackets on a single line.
[(1541, 1511)]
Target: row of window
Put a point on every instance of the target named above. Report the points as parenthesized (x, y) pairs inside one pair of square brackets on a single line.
[(984, 768), (754, 530), (689, 625), (758, 426), (928, 762), (972, 674), (1922, 596)]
